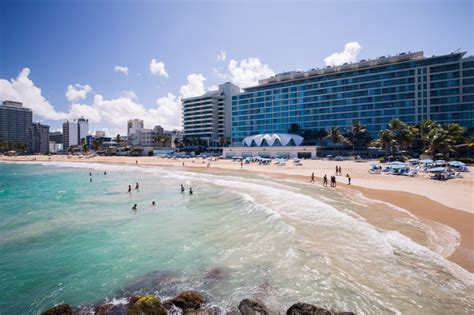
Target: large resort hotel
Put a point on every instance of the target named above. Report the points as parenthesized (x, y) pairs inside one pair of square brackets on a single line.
[(409, 86)]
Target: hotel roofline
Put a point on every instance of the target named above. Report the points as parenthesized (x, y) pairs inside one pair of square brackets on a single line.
[(383, 60)]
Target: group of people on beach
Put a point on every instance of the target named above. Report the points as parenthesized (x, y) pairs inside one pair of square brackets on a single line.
[(333, 178)]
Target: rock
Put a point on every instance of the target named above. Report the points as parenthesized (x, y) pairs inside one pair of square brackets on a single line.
[(187, 301), (147, 305), (62, 309), (306, 309), (215, 273), (254, 307), (111, 309)]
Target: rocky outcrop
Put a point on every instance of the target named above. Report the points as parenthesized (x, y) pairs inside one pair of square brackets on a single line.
[(187, 301), (111, 309), (254, 307), (147, 305), (63, 309), (309, 309)]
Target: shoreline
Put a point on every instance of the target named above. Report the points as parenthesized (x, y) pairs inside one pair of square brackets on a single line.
[(417, 203)]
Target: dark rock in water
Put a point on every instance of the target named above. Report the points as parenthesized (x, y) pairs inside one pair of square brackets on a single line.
[(62, 309), (133, 299), (254, 307), (187, 301), (111, 309), (308, 309), (163, 281), (147, 305), (215, 273)]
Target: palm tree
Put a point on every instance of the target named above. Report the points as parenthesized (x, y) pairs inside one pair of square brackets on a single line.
[(118, 139), (294, 129), (403, 134), (97, 143), (357, 129), (335, 135), (386, 140)]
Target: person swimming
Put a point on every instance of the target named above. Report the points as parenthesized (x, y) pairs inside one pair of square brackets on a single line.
[(182, 188), (129, 188), (137, 186), (134, 207), (153, 203), (190, 191), (105, 172)]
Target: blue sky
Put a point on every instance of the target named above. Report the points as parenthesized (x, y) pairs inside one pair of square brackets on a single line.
[(66, 43)]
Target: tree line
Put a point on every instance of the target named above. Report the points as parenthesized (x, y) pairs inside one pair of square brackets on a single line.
[(427, 137)]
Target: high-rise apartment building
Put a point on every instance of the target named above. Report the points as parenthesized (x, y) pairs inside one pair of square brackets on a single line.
[(38, 138), (70, 134), (209, 116), (56, 137), (14, 123), (74, 132), (83, 128), (408, 86), (133, 128)]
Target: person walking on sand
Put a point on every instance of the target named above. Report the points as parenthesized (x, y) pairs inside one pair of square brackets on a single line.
[(137, 186), (348, 179), (340, 171), (325, 181), (241, 164), (312, 178), (129, 188), (182, 188), (337, 170), (136, 161)]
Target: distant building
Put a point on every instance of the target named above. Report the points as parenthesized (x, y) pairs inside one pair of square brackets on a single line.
[(147, 136), (56, 137), (38, 138), (70, 134), (14, 123), (55, 147), (134, 126), (74, 132), (99, 134), (208, 116), (83, 128)]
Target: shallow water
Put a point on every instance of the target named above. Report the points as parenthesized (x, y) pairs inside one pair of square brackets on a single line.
[(65, 239)]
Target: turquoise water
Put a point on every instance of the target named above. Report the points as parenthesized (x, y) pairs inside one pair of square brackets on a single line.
[(66, 239)]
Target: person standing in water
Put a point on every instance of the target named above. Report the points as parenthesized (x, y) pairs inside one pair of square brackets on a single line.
[(190, 191), (129, 188), (312, 178), (137, 186), (325, 180), (105, 172), (182, 188), (153, 203), (135, 207)]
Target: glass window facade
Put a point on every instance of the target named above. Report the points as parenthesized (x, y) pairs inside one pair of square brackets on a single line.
[(411, 88)]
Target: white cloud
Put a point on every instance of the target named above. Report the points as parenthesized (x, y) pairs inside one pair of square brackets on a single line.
[(77, 92), (158, 67), (129, 94), (168, 113), (22, 89), (121, 69), (248, 72), (350, 53), (109, 114), (221, 55), (194, 87), (213, 88)]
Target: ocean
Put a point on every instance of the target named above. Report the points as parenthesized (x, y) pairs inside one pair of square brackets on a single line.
[(65, 239)]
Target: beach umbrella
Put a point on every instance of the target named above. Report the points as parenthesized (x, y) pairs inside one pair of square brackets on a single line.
[(438, 169)]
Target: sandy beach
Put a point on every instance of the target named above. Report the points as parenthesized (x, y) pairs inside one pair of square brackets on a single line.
[(450, 202)]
